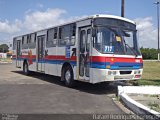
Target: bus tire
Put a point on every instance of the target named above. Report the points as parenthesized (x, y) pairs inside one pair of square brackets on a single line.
[(25, 68), (68, 76)]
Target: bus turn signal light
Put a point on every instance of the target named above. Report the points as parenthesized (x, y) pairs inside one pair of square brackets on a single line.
[(108, 66)]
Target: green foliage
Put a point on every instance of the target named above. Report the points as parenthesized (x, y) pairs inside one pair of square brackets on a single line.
[(148, 82), (4, 48), (154, 106), (149, 53)]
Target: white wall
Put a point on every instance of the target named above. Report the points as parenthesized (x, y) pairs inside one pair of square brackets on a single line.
[(3, 55)]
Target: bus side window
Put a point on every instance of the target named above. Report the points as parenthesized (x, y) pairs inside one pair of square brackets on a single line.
[(32, 41), (29, 39), (22, 40), (67, 35), (73, 34), (14, 43), (62, 36), (51, 37), (60, 33), (55, 33), (25, 42)]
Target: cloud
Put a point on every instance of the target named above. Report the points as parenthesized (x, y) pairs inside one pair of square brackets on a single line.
[(43, 19), (40, 20), (37, 20), (34, 20), (7, 27), (147, 32)]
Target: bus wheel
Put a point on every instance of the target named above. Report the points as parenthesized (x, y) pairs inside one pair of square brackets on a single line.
[(68, 76), (25, 68)]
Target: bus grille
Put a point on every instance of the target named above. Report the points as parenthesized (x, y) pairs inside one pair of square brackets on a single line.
[(125, 72)]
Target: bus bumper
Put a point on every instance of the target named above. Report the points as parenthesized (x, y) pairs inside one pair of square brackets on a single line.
[(116, 75)]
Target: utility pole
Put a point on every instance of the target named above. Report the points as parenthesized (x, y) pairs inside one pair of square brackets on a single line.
[(157, 3), (122, 8)]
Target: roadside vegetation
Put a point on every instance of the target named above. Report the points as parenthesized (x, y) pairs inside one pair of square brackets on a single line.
[(154, 106), (4, 48), (149, 53)]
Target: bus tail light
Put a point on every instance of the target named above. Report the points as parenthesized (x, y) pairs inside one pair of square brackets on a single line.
[(137, 76)]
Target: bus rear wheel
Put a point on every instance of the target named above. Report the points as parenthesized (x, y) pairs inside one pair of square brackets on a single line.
[(67, 76), (25, 68)]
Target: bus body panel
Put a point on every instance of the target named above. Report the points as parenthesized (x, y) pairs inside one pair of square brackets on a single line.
[(50, 63), (102, 67), (33, 66)]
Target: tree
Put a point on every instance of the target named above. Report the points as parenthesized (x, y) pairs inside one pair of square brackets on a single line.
[(4, 48), (149, 53)]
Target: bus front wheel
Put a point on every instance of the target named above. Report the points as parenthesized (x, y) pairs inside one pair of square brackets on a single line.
[(68, 76)]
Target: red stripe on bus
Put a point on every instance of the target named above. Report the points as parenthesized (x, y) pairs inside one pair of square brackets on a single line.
[(50, 57), (114, 59), (27, 56), (58, 57), (92, 58)]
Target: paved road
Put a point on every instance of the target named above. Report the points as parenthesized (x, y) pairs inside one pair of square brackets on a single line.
[(41, 93)]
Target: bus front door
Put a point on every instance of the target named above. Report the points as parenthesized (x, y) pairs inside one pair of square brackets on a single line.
[(84, 53), (41, 54), (18, 54)]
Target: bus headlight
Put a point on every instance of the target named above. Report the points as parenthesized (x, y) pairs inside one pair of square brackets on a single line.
[(137, 72), (112, 72)]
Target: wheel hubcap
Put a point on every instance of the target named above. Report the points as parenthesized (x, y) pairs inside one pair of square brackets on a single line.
[(67, 76)]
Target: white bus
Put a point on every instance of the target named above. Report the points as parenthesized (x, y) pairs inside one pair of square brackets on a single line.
[(99, 48)]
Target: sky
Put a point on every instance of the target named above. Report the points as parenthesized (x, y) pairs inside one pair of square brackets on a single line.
[(23, 16)]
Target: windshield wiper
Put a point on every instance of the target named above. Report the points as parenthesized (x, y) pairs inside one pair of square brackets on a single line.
[(130, 49)]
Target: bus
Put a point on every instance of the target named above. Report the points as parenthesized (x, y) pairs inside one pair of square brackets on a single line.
[(95, 49)]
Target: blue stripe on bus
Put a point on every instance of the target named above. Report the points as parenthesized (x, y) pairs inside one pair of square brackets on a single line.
[(59, 62), (100, 65), (117, 65)]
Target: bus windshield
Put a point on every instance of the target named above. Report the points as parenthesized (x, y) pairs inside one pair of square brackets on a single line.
[(116, 40)]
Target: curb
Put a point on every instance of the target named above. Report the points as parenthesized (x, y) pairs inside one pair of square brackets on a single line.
[(139, 89), (136, 107), (139, 109)]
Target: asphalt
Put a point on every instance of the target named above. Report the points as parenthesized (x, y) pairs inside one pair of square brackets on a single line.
[(45, 94)]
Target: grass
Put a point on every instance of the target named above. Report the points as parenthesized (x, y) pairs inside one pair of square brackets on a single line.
[(154, 106), (5, 60), (151, 70), (151, 74), (148, 82)]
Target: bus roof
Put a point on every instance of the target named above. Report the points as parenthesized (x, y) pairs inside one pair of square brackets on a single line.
[(82, 19), (112, 16)]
